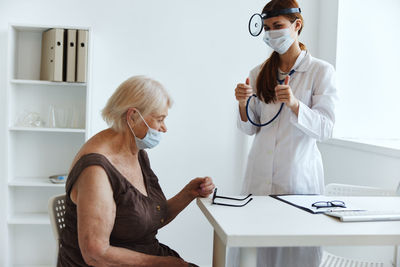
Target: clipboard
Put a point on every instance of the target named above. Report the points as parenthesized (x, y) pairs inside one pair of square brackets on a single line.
[(304, 202)]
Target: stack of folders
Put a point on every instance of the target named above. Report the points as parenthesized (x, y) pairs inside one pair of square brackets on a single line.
[(64, 55)]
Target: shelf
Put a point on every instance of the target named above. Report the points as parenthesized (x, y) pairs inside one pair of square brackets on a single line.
[(34, 153), (29, 218), (42, 27), (41, 129), (39, 82), (33, 182)]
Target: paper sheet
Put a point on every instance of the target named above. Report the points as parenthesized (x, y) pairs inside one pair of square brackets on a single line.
[(305, 202)]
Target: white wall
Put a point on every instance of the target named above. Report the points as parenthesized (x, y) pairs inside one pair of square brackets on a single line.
[(199, 50), (360, 165), (327, 23)]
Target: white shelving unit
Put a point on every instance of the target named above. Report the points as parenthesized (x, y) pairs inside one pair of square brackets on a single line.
[(35, 153), (42, 129), (33, 182)]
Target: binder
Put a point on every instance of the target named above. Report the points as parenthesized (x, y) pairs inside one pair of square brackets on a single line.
[(70, 50), (51, 67), (81, 59)]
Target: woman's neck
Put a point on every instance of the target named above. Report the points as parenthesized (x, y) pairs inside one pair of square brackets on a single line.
[(287, 60), (124, 142)]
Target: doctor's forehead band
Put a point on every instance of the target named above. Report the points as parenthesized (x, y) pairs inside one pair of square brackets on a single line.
[(256, 23), (275, 13)]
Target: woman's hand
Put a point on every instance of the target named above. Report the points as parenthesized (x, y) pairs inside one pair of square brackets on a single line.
[(176, 262), (242, 92), (200, 187), (284, 94)]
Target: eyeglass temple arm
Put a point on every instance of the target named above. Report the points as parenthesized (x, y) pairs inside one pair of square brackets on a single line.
[(231, 198), (231, 205)]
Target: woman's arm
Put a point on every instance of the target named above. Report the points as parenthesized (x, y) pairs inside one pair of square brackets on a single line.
[(96, 214), (318, 120), (242, 93), (198, 187)]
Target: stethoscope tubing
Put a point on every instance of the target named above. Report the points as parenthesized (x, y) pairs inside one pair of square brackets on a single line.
[(276, 115), (260, 124)]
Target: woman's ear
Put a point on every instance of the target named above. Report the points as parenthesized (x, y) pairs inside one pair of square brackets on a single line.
[(130, 114), (298, 25)]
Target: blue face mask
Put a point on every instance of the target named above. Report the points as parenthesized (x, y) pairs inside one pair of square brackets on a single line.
[(152, 138)]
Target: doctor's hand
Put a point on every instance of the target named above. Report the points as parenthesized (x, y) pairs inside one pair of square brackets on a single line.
[(200, 187), (242, 92), (284, 94)]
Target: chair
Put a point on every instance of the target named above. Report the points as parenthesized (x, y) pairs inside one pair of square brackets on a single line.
[(355, 190), (329, 259), (56, 208)]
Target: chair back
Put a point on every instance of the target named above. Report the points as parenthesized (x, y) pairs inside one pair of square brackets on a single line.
[(356, 190), (56, 212)]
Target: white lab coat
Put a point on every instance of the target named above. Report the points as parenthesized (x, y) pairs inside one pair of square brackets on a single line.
[(284, 157)]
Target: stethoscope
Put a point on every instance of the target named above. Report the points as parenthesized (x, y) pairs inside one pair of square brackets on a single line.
[(277, 114)]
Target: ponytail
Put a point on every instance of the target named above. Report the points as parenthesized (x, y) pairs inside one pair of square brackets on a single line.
[(268, 77)]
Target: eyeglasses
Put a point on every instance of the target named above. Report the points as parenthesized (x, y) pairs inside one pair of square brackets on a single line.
[(230, 198), (329, 204)]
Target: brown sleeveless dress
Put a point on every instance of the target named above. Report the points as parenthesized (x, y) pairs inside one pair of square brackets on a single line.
[(138, 217)]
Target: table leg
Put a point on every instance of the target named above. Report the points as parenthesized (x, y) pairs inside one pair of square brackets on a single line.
[(219, 252), (248, 257), (396, 256)]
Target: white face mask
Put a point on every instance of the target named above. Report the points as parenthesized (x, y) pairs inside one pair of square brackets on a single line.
[(279, 40)]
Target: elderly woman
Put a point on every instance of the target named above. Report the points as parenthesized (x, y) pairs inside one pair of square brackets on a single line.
[(114, 203)]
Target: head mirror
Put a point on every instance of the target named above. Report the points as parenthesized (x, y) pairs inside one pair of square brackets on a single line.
[(256, 23)]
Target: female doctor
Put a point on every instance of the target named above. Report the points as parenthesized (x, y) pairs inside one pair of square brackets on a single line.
[(284, 158)]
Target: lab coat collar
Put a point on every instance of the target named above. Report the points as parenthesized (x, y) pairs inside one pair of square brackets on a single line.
[(303, 61)]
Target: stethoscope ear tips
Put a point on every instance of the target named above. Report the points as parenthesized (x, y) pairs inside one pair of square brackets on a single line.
[(256, 25)]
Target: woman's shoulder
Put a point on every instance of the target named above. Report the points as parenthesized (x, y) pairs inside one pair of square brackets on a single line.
[(253, 75), (96, 146), (320, 64), (98, 142), (256, 70)]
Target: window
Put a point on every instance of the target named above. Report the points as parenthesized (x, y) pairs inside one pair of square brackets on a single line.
[(368, 69)]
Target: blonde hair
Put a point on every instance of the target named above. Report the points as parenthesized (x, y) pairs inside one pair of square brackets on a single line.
[(140, 92)]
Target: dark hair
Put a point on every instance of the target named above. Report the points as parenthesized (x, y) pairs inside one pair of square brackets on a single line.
[(268, 76)]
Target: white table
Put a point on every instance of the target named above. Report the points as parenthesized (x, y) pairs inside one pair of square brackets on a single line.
[(267, 222)]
